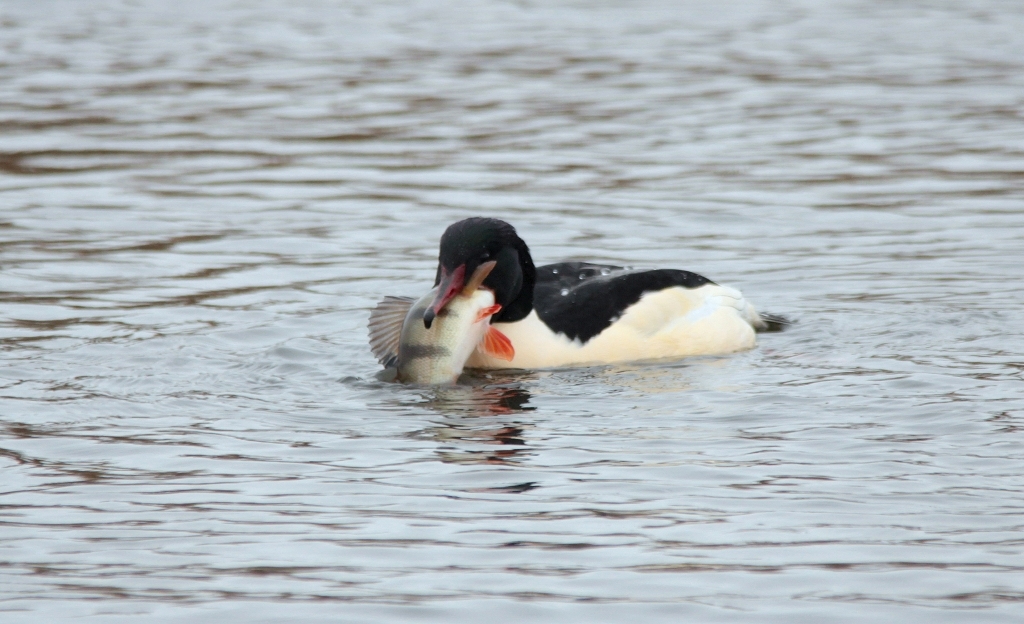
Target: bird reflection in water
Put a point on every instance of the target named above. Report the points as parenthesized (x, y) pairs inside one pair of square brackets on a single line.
[(479, 424)]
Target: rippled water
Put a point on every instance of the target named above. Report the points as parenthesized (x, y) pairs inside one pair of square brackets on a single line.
[(200, 202)]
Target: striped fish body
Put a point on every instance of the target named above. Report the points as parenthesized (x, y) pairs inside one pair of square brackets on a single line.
[(436, 355)]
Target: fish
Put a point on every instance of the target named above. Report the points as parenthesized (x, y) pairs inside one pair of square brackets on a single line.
[(400, 338)]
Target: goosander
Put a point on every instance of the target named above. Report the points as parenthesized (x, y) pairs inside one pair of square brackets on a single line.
[(578, 313)]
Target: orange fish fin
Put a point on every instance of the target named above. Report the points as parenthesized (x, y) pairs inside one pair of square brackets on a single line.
[(482, 314), (497, 344)]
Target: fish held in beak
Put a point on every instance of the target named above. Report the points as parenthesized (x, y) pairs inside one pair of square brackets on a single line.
[(453, 284)]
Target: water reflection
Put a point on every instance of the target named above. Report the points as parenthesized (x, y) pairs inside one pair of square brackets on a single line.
[(477, 425)]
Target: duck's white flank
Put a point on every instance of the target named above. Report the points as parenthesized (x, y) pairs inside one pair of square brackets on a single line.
[(671, 323)]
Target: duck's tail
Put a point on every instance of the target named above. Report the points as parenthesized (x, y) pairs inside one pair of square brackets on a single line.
[(772, 323)]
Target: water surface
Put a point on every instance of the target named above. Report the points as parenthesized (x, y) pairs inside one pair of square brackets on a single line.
[(200, 202)]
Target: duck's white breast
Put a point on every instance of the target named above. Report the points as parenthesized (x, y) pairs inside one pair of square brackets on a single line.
[(670, 323)]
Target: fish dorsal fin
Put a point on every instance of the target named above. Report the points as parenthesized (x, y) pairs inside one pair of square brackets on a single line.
[(386, 328)]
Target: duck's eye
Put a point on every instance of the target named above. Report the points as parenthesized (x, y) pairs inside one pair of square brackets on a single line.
[(485, 255)]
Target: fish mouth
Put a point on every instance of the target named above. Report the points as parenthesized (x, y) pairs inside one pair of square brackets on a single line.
[(453, 284)]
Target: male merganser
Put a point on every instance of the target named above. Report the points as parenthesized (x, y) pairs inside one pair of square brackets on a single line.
[(575, 313)]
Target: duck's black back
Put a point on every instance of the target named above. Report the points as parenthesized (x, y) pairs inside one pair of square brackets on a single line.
[(580, 299)]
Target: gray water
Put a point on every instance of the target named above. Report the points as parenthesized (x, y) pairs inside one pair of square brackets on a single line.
[(200, 203)]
